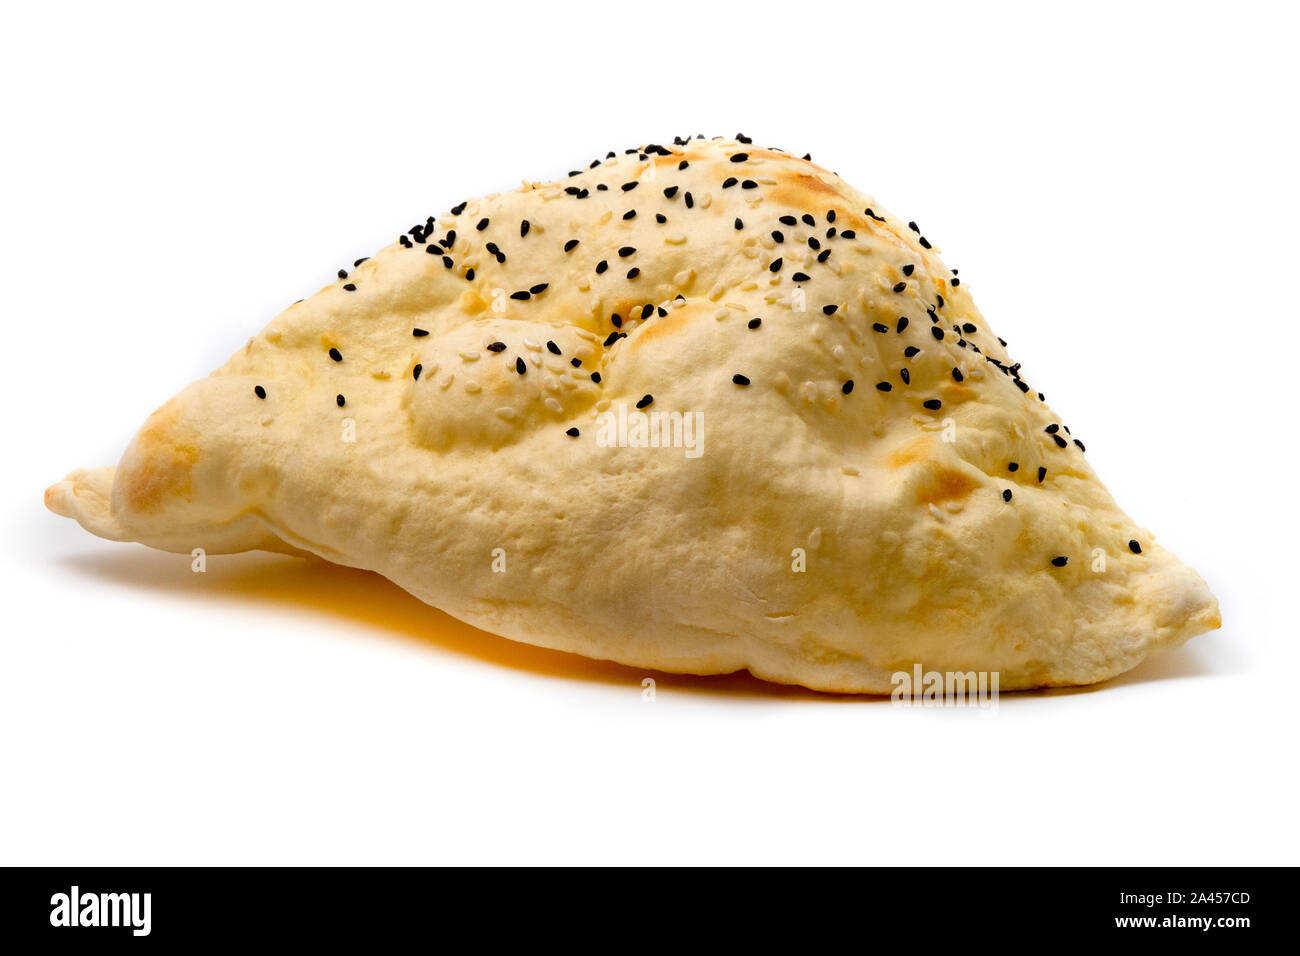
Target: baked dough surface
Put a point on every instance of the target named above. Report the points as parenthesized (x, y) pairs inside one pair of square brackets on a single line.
[(819, 532)]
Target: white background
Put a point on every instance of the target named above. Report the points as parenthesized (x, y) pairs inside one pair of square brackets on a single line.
[(1117, 185)]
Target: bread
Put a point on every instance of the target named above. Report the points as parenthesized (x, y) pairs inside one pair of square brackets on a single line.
[(859, 481)]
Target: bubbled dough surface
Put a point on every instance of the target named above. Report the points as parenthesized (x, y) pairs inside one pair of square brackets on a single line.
[(645, 556)]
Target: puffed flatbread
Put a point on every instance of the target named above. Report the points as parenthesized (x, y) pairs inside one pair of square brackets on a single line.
[(701, 408)]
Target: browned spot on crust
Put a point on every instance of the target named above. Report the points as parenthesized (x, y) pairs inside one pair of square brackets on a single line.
[(945, 485), (672, 323), (801, 190), (910, 453), (162, 466)]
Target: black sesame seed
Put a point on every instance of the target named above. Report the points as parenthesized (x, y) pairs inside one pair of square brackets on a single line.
[(259, 391), (749, 184), (469, 275), (683, 164), (956, 375), (690, 200), (521, 366), (630, 214), (739, 223), (907, 269), (801, 277), (628, 187), (936, 332), (601, 266), (879, 327), (823, 255), (755, 323), (552, 348), (902, 323), (576, 362), (847, 387), (523, 228), (458, 209), (905, 375), (612, 338), (633, 272), (1060, 442), (911, 350), (1051, 429), (740, 379), (1013, 466), (1006, 495), (497, 347), (572, 432), (1042, 473), (830, 309), (933, 404), (884, 386), (482, 224), (350, 287), (415, 372), (740, 157), (900, 286), (1134, 547), (729, 182), (1060, 561), (848, 234), (925, 243), (539, 288), (336, 355), (645, 400), (808, 220), (571, 245), (522, 295), (789, 220), (626, 251), (595, 377), (969, 328), (778, 235), (775, 266), (670, 192), (617, 320), (343, 273), (340, 400)]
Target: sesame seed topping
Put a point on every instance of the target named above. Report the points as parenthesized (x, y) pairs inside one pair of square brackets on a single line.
[(907, 269), (572, 432), (1060, 561), (1134, 547), (884, 386), (595, 377), (801, 277), (552, 348), (350, 287), (911, 350), (1042, 473), (1013, 466), (340, 400), (482, 224), (933, 404), (902, 323), (776, 265), (419, 333), (645, 400), (601, 266), (539, 288), (740, 157), (521, 366), (415, 372), (740, 379), (830, 309), (259, 391), (497, 347), (336, 355), (626, 251), (1006, 495), (900, 286), (755, 323), (571, 245), (905, 375), (729, 182)]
